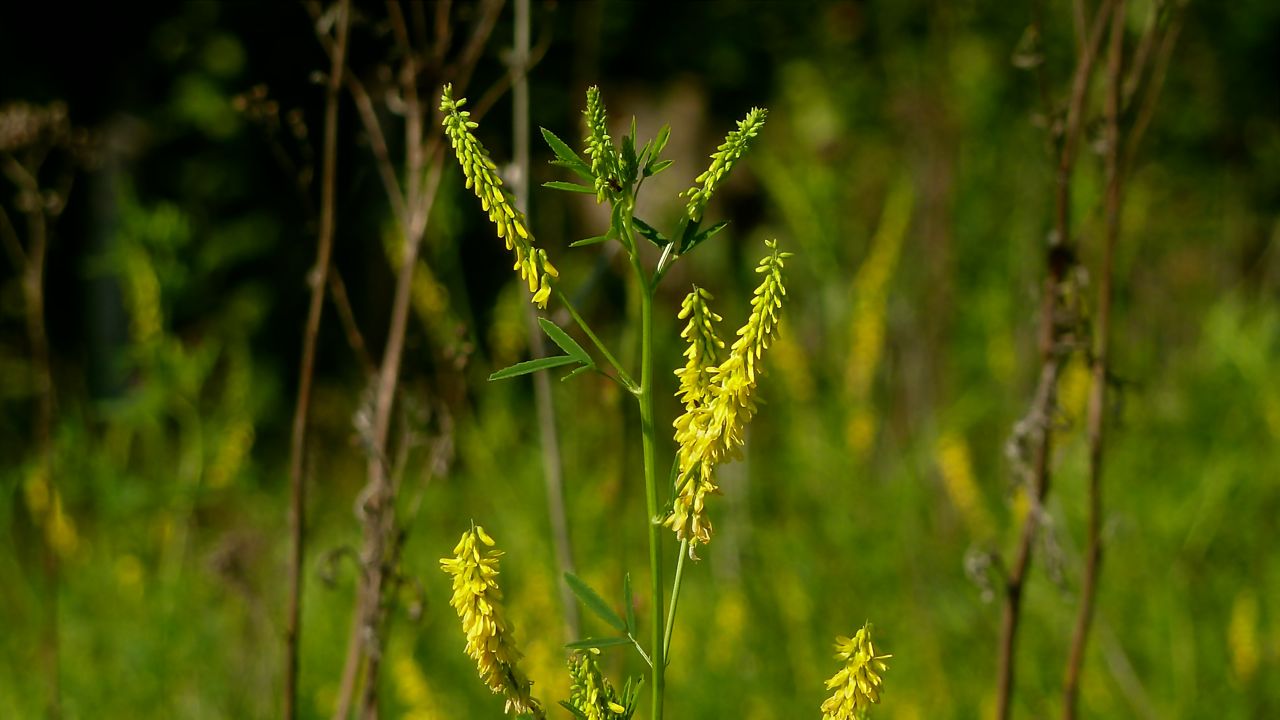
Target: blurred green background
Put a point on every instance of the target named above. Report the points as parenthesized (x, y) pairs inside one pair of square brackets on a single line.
[(904, 165)]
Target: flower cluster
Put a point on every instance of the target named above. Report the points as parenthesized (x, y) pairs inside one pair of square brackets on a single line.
[(604, 156), (482, 179), (478, 602), (858, 684), (718, 402), (734, 147), (592, 694)]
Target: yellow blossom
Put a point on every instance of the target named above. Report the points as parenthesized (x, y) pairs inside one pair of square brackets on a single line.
[(858, 684), (482, 179), (478, 602), (593, 695), (718, 399)]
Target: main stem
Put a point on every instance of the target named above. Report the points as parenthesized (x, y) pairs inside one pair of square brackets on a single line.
[(651, 489)]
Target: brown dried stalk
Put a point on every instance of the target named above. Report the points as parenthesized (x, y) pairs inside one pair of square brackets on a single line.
[(318, 279), (1098, 389), (1056, 344), (411, 204)]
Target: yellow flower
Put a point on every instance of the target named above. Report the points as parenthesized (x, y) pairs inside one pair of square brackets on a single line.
[(478, 602), (593, 695), (482, 179), (718, 399), (604, 156), (858, 684), (722, 160)]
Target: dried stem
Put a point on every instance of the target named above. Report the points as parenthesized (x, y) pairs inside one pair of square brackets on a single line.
[(411, 203), (355, 339), (1098, 390), (34, 207), (319, 281), (552, 467), (1055, 327)]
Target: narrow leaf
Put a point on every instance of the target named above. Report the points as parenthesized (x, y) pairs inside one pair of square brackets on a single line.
[(566, 343), (585, 174), (567, 156), (577, 372), (569, 187), (629, 604), (574, 711), (596, 604), (647, 230), (529, 366), (658, 167), (660, 142), (590, 241), (703, 236), (598, 643)]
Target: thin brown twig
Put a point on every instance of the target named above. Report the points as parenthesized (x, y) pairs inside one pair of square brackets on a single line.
[(347, 317), (1098, 389), (12, 244), (319, 282), (33, 269), (368, 120), (1142, 119), (1055, 328)]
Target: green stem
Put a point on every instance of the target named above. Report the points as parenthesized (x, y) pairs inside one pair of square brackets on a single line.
[(622, 374), (675, 598), (648, 429)]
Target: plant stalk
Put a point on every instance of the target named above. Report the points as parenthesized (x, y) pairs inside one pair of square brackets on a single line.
[(647, 428)]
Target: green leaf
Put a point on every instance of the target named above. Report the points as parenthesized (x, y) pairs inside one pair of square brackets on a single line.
[(629, 163), (596, 604), (529, 366), (590, 241), (615, 222), (569, 187), (566, 156), (655, 168), (660, 142), (647, 230), (628, 604), (577, 372), (703, 236), (574, 711), (566, 343), (598, 643)]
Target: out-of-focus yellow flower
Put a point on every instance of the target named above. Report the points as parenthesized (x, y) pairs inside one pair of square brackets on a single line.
[(482, 179), (718, 402), (956, 467), (1242, 636), (478, 602), (858, 684)]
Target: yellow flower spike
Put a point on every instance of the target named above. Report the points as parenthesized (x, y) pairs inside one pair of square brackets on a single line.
[(858, 683), (482, 179), (735, 145), (591, 693), (478, 602), (718, 398)]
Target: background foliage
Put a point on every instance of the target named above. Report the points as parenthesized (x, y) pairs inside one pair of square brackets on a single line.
[(903, 165)]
